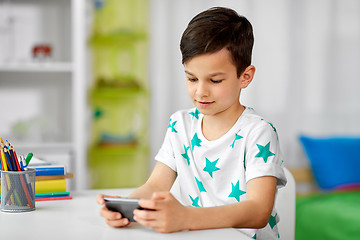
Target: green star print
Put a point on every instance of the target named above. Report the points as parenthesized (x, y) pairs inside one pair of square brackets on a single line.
[(195, 201), (236, 192), (185, 155), (200, 185), (272, 221), (195, 113), (211, 167), (270, 125), (237, 137), (172, 126), (195, 141), (264, 152)]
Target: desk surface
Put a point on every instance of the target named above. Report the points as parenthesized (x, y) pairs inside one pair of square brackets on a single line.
[(79, 219)]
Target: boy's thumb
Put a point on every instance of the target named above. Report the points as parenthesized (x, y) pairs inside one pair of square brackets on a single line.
[(161, 195)]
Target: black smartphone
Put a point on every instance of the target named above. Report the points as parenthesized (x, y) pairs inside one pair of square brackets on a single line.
[(125, 206)]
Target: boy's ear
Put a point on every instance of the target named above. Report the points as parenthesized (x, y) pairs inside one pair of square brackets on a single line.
[(247, 76)]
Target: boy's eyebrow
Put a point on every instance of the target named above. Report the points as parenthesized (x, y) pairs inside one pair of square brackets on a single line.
[(211, 75), (189, 73), (217, 73)]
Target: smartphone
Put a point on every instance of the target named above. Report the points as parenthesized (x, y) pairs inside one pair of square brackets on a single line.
[(125, 206)]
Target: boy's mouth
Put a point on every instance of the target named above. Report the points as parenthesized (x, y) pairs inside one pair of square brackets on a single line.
[(205, 104)]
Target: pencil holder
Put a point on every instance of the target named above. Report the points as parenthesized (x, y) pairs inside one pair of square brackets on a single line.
[(18, 191)]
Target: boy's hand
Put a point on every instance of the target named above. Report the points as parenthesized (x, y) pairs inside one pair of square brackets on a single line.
[(113, 219), (169, 214)]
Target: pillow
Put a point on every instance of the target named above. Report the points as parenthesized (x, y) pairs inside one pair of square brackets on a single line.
[(335, 160)]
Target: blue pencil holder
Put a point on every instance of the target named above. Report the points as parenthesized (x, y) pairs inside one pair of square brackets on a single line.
[(18, 191)]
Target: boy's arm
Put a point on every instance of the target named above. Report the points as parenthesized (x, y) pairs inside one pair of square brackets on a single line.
[(252, 213), (171, 216)]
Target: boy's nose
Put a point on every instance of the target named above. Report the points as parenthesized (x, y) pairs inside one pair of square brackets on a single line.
[(202, 89)]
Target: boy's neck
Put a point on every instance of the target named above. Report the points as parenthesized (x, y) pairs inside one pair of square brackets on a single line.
[(215, 126)]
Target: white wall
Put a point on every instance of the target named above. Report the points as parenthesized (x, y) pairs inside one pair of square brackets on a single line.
[(307, 56)]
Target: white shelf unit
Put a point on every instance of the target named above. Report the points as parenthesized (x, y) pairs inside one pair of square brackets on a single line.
[(44, 101), (38, 67)]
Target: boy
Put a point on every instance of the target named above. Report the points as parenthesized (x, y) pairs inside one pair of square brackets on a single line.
[(224, 157)]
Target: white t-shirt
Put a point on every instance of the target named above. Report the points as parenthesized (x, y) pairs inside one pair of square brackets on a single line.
[(215, 173)]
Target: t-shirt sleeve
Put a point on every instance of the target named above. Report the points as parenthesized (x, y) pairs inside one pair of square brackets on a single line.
[(263, 156), (166, 152)]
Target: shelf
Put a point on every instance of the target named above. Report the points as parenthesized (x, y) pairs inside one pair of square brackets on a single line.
[(54, 88), (117, 150), (37, 67), (115, 93), (64, 146)]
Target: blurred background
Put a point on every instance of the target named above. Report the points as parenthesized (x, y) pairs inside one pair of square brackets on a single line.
[(92, 83)]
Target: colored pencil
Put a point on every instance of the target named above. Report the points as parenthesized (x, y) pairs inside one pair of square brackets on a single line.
[(15, 159), (8, 159), (3, 160), (26, 190)]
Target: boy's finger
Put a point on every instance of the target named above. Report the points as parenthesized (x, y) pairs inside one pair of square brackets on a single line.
[(144, 222), (145, 214), (109, 215), (161, 195), (100, 199), (150, 204), (156, 200), (118, 223)]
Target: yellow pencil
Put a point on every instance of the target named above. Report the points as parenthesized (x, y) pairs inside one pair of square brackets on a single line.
[(3, 161), (4, 164)]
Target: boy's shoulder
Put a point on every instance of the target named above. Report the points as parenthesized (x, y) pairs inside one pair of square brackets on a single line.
[(252, 120), (250, 115)]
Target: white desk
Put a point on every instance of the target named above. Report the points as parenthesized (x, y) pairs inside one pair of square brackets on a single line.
[(79, 219)]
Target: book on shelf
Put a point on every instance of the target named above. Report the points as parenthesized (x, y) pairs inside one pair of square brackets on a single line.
[(44, 168), (50, 186), (51, 196), (51, 190), (50, 180), (52, 177), (54, 185)]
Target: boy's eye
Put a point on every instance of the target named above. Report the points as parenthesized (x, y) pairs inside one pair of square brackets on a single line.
[(216, 81), (192, 79)]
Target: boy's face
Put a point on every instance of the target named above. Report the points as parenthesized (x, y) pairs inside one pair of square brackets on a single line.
[(212, 83)]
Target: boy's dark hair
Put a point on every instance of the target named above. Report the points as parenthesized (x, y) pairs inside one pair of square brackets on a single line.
[(214, 29)]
